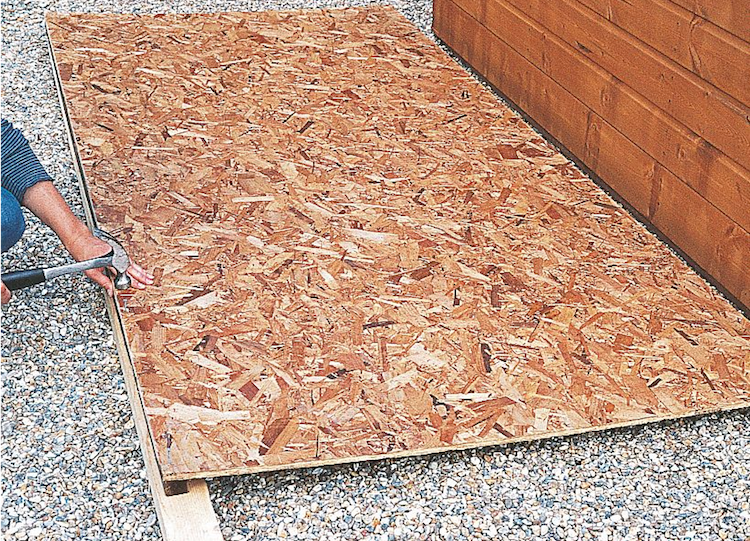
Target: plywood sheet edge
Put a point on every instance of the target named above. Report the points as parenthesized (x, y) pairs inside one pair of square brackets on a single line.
[(485, 444), (184, 517)]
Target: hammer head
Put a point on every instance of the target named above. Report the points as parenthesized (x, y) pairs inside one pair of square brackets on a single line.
[(120, 259)]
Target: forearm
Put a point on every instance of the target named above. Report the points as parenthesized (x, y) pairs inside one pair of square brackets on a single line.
[(24, 176), (45, 201)]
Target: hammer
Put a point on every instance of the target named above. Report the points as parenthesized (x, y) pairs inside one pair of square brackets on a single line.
[(116, 258)]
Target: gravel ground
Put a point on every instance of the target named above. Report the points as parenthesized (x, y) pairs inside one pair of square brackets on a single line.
[(72, 468)]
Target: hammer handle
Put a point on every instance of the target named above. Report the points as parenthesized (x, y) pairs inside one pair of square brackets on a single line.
[(24, 278), (15, 280)]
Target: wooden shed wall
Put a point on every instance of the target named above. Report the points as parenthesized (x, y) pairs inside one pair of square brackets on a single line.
[(651, 95)]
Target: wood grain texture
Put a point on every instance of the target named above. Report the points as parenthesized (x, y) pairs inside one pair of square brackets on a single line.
[(731, 15), (710, 52), (716, 116), (362, 253), (717, 244)]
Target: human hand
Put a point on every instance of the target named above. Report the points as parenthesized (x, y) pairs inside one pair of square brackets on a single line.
[(6, 294), (45, 201), (87, 246)]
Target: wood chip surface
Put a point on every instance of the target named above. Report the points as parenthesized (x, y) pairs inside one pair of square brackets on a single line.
[(362, 253)]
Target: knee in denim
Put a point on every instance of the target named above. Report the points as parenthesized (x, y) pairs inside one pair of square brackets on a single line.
[(13, 223)]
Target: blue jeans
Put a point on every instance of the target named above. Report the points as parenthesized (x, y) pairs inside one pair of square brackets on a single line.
[(13, 224)]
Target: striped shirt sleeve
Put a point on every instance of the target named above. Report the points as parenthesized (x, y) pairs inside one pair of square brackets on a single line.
[(19, 167)]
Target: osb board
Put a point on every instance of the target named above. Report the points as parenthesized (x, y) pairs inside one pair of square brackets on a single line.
[(362, 253)]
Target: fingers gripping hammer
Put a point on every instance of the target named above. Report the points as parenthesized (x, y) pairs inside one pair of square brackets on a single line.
[(116, 258)]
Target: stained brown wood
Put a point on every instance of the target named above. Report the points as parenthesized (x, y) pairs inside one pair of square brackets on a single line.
[(695, 43), (717, 244), (731, 15), (711, 236), (362, 253), (717, 117), (687, 155)]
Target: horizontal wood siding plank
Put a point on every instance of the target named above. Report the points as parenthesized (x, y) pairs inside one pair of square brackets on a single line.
[(719, 118), (696, 44), (731, 15), (719, 246), (708, 171)]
